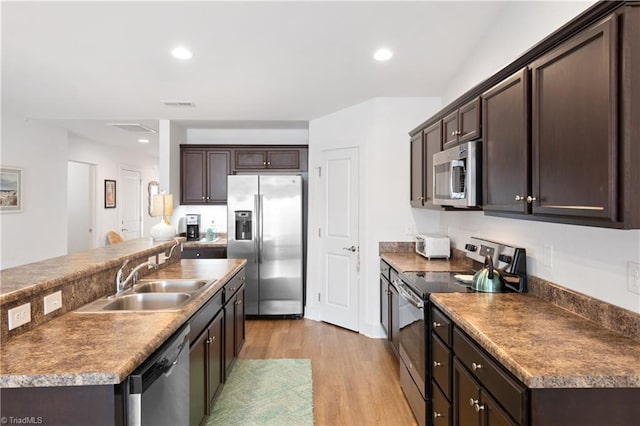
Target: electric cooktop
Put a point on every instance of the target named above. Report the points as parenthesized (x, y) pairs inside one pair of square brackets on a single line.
[(425, 283)]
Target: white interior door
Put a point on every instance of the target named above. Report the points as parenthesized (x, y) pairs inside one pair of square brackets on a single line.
[(130, 198), (339, 237), (80, 206)]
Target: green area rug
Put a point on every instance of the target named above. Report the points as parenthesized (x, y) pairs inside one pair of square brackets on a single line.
[(266, 392)]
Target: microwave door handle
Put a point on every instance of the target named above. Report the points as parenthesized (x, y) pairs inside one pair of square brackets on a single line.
[(452, 166)]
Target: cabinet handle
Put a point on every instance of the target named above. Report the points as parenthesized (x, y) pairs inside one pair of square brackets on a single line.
[(436, 324), (436, 414), (436, 364), (476, 366), (531, 199), (472, 402), (478, 407)]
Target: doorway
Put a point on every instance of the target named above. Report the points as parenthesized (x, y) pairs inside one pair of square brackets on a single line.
[(130, 199), (81, 206), (339, 237)]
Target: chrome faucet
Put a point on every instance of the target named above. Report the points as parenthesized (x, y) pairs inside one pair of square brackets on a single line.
[(133, 275)]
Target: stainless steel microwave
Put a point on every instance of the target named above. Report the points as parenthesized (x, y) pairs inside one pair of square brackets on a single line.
[(457, 176)]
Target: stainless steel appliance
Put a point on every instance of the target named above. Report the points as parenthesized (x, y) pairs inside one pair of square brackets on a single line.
[(265, 222), (158, 390), (415, 289), (193, 227), (457, 176)]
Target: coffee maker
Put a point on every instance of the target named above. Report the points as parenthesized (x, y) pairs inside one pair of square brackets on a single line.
[(193, 227)]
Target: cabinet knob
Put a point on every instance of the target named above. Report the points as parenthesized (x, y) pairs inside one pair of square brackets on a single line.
[(197, 254), (436, 414), (210, 340), (472, 402), (519, 198), (239, 302), (268, 163), (420, 198), (437, 364), (531, 199), (203, 198), (456, 133), (232, 289), (476, 366), (478, 407), (436, 324), (264, 163)]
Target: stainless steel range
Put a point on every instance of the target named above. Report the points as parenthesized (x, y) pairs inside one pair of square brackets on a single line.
[(414, 311)]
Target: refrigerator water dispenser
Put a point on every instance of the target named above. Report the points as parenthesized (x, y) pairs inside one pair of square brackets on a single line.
[(243, 224)]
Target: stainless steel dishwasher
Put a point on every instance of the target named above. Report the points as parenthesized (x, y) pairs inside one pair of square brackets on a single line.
[(158, 390)]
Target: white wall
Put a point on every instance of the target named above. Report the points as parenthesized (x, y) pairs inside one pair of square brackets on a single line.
[(588, 260), (379, 129), (40, 230), (248, 136), (109, 159), (521, 25)]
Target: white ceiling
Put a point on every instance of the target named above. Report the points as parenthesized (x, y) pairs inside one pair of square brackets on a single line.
[(82, 64)]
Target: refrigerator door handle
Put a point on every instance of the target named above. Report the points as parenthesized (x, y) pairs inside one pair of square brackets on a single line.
[(260, 236), (256, 227)]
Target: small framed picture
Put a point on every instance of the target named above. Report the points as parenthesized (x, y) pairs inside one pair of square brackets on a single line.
[(10, 189), (109, 194)]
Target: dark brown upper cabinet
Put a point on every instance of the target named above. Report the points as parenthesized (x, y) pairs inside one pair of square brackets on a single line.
[(574, 127), (203, 175), (506, 145), (462, 125), (423, 146), (282, 159)]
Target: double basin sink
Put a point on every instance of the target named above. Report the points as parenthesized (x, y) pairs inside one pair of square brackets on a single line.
[(150, 295)]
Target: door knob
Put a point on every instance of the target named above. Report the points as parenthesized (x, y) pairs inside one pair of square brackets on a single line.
[(351, 249)]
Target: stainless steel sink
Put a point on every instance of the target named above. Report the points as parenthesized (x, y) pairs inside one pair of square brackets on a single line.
[(147, 302), (169, 286)]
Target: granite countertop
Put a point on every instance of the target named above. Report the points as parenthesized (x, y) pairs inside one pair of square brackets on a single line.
[(543, 345), (104, 348), (218, 242), (412, 262)]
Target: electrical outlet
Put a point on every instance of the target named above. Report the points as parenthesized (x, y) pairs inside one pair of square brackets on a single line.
[(19, 315), (52, 302), (152, 259), (633, 277), (161, 258), (408, 229)]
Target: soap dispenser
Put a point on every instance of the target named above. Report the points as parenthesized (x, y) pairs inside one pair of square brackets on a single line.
[(211, 232)]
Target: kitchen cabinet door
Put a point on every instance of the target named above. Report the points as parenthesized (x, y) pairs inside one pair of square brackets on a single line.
[(384, 306), (215, 359), (283, 159), (193, 166), (432, 144), (239, 315), (462, 125), (394, 321), (575, 128), (466, 394), (505, 145), (198, 400), (218, 168), (229, 337), (417, 171)]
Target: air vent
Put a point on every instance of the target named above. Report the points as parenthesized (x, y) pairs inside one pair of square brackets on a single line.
[(179, 103), (132, 127)]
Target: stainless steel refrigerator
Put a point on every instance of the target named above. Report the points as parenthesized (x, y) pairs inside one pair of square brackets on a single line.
[(265, 226)]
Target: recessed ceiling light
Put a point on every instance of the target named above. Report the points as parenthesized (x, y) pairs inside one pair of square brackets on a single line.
[(382, 54), (182, 53), (143, 140)]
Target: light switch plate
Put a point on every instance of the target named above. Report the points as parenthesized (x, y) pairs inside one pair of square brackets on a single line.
[(52, 302)]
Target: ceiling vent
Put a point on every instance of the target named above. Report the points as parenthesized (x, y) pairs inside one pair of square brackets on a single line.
[(132, 127), (179, 103)]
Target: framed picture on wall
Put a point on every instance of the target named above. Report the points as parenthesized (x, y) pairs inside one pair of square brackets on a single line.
[(109, 194), (10, 189)]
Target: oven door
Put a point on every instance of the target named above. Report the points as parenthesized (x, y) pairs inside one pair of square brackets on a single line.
[(413, 335)]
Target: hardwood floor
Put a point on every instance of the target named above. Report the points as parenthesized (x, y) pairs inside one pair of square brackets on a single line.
[(355, 378)]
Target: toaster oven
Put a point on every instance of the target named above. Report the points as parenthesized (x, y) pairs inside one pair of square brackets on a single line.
[(433, 246)]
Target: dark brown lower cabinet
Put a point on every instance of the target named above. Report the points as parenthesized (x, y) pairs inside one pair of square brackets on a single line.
[(206, 370), (234, 329), (204, 253), (472, 405)]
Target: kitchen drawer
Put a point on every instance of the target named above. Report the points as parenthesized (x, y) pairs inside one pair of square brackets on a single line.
[(204, 252), (233, 285), (384, 269), (441, 365), (511, 393), (441, 325), (200, 319), (440, 408)]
